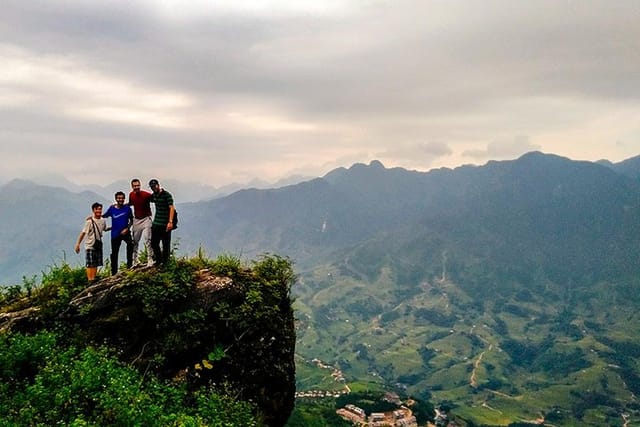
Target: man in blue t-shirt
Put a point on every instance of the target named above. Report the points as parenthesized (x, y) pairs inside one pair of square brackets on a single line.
[(121, 220)]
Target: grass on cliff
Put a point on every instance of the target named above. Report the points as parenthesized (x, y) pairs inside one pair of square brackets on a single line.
[(46, 379), (60, 283)]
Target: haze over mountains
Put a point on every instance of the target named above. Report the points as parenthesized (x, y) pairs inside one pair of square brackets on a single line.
[(189, 191), (514, 283), (529, 201)]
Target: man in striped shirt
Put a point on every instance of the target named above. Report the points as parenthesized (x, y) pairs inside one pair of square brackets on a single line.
[(162, 222)]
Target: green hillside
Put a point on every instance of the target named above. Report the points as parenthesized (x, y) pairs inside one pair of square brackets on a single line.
[(520, 304), (514, 357)]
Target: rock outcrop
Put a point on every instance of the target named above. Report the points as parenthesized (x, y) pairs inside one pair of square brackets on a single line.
[(233, 329)]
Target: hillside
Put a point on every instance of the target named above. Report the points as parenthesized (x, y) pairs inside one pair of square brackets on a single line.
[(513, 297), (200, 342)]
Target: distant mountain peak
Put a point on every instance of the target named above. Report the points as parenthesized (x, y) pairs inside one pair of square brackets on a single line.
[(629, 167), (373, 164), (19, 183), (18, 188), (539, 155), (373, 169)]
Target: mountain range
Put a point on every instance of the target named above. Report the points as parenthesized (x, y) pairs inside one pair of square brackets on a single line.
[(538, 207), (189, 191), (507, 290)]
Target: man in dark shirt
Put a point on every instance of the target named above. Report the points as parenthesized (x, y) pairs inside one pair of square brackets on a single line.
[(162, 222)]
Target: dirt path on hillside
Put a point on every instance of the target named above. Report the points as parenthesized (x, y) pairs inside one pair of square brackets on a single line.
[(473, 380)]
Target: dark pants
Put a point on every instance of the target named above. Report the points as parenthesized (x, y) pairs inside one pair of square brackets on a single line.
[(159, 234), (115, 248)]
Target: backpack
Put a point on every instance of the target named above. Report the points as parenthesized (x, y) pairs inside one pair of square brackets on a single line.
[(175, 219)]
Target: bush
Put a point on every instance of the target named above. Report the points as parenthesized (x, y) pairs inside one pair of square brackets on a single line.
[(43, 383)]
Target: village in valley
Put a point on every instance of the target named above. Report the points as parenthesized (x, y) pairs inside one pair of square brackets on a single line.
[(401, 417)]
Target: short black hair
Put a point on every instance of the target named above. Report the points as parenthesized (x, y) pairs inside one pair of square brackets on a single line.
[(119, 193), (96, 205), (134, 180)]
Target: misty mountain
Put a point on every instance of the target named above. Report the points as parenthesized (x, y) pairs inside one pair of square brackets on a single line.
[(629, 167), (188, 191), (41, 225), (536, 209), (539, 209)]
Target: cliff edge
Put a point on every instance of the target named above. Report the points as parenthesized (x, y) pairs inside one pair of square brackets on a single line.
[(197, 322)]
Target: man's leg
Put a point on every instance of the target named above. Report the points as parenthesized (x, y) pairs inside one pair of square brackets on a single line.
[(91, 264), (129, 242), (115, 248), (166, 247), (92, 272), (136, 234), (146, 238), (156, 237)]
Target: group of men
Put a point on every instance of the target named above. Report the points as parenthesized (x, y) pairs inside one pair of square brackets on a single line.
[(130, 227)]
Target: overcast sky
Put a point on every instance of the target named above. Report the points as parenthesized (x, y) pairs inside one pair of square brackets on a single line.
[(225, 91)]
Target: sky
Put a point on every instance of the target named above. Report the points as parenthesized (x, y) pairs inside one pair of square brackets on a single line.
[(221, 92)]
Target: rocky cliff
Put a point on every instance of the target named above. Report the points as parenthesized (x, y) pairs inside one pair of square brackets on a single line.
[(199, 322)]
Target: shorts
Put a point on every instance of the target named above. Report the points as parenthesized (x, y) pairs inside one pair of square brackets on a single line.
[(94, 257)]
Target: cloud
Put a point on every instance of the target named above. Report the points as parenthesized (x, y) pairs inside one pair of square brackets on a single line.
[(354, 60), (264, 88), (506, 149), (415, 154)]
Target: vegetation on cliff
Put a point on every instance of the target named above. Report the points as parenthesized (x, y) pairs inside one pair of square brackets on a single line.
[(201, 342)]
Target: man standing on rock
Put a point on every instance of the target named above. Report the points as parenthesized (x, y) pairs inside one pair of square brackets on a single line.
[(162, 222), (141, 202), (121, 220), (93, 229)]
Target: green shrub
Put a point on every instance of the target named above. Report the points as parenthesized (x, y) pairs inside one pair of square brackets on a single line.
[(43, 383)]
